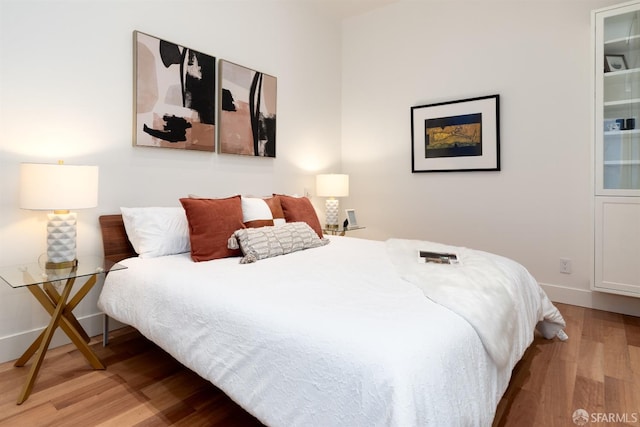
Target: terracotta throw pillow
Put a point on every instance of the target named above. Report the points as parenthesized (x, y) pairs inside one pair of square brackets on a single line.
[(276, 209), (211, 223), (300, 209)]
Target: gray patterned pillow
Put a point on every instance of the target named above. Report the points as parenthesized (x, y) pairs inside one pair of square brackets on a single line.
[(266, 242)]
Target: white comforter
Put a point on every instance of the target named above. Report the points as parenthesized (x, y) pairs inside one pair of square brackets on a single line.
[(486, 289), (331, 336)]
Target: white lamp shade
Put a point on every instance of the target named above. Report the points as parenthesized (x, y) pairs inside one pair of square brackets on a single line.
[(332, 185), (58, 187)]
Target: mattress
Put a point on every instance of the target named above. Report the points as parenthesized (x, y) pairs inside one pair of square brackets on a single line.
[(330, 336)]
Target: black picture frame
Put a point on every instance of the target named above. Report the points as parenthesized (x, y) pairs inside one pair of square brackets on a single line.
[(614, 63), (453, 136)]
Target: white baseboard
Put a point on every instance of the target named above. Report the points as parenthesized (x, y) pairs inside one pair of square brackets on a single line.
[(593, 299), (12, 346)]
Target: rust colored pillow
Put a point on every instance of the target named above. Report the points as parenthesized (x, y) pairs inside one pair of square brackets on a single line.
[(300, 209), (211, 224), (275, 206)]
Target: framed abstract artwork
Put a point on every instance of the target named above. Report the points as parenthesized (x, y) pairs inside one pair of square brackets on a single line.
[(174, 95), (461, 135), (247, 111)]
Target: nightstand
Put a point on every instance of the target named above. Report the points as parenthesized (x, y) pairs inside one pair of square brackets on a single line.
[(340, 231), (42, 285)]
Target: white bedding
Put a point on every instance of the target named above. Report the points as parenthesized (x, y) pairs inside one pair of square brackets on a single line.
[(485, 289), (330, 336)]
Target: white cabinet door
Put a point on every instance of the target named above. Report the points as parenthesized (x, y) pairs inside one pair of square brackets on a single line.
[(617, 245), (616, 145), (617, 100)]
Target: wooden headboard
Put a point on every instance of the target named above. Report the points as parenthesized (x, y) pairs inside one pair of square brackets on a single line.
[(115, 242)]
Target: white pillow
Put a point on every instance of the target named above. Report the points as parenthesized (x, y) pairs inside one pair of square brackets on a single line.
[(156, 231), (255, 210)]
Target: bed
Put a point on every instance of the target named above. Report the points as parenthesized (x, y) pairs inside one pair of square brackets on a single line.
[(341, 334)]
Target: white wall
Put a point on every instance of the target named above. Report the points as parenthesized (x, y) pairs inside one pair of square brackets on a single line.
[(536, 56), (66, 93)]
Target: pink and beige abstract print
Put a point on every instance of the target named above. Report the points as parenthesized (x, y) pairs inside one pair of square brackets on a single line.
[(174, 89), (247, 111)]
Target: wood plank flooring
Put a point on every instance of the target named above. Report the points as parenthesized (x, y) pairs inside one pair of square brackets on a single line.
[(597, 369)]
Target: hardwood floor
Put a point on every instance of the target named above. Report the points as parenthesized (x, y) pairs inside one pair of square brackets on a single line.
[(141, 386), (597, 369)]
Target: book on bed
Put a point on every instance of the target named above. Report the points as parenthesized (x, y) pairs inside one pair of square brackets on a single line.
[(438, 257)]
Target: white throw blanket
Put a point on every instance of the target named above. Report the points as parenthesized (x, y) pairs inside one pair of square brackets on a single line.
[(483, 289)]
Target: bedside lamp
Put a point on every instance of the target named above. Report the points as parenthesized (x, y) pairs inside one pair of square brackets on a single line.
[(59, 188), (332, 186)]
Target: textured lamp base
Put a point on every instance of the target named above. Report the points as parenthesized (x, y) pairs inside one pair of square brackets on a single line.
[(61, 239), (331, 206)]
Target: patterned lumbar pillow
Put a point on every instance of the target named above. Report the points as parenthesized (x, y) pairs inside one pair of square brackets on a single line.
[(266, 242)]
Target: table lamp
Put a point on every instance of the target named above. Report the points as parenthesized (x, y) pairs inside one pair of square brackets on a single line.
[(332, 186), (59, 188)]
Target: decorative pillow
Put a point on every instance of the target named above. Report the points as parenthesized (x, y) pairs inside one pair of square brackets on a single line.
[(211, 222), (273, 202), (300, 209), (276, 210), (256, 212), (156, 231), (267, 242)]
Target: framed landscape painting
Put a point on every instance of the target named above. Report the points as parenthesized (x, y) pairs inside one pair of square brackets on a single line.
[(458, 135), (247, 111), (174, 95)]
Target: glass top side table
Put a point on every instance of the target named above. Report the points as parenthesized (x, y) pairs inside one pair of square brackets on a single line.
[(42, 285), (341, 231)]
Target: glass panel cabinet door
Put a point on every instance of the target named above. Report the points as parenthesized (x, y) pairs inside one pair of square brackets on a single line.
[(616, 144), (617, 100)]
